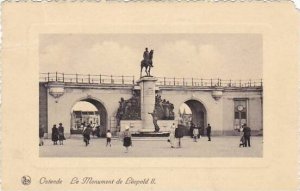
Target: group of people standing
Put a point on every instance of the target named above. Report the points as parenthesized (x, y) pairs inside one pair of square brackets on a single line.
[(58, 134), (89, 130), (126, 136), (197, 131), (176, 133)]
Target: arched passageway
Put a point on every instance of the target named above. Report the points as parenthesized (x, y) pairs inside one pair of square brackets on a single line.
[(193, 111), (88, 111)]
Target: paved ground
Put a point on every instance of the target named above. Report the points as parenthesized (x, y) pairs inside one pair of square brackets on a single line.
[(226, 146)]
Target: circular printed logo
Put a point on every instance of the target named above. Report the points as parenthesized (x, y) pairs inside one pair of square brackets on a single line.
[(26, 180)]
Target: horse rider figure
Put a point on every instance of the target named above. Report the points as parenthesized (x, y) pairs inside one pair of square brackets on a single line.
[(146, 57), (147, 61)]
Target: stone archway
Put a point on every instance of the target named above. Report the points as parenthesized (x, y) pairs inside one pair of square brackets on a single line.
[(196, 114), (199, 113), (101, 112)]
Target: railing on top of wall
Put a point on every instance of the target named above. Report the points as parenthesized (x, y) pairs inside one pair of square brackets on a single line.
[(86, 78), (161, 81), (199, 82)]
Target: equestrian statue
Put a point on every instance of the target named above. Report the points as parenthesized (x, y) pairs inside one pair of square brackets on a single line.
[(147, 62)]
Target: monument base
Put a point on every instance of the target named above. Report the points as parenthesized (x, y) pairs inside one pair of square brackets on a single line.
[(151, 134), (148, 130)]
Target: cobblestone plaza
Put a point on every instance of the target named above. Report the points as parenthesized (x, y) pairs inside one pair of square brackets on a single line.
[(221, 146)]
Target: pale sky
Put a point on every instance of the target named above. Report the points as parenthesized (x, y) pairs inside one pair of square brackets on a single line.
[(84, 106), (225, 56)]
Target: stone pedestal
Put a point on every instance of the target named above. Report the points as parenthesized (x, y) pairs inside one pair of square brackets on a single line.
[(147, 85)]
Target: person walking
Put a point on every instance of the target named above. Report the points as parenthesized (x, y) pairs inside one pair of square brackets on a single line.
[(41, 135), (54, 135), (195, 133), (86, 134), (200, 131), (172, 136), (192, 127), (199, 128), (98, 131), (61, 134), (127, 139), (178, 135), (108, 138), (247, 135), (93, 126), (208, 131), (242, 138)]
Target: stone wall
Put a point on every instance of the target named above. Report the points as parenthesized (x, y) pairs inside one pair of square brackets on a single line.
[(219, 107), (254, 117), (43, 106), (60, 108)]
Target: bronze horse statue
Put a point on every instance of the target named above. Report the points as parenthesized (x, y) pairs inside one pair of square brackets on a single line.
[(147, 64)]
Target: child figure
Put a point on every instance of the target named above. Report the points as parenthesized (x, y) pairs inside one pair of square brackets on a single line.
[(108, 138), (195, 134)]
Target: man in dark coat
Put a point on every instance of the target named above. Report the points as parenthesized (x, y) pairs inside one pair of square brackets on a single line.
[(179, 134), (54, 134), (61, 134), (208, 131), (247, 135)]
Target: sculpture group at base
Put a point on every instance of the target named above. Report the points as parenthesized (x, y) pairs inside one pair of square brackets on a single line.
[(129, 109), (164, 108)]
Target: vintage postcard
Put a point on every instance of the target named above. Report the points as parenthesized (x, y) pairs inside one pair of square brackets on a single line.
[(150, 96)]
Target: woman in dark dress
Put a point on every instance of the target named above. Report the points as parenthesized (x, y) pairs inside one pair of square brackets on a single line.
[(54, 135), (61, 135), (127, 138)]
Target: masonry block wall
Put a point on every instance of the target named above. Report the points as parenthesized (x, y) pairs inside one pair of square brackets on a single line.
[(43, 106), (219, 112)]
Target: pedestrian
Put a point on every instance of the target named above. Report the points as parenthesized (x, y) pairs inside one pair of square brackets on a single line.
[(86, 134), (98, 131), (127, 138), (93, 126), (41, 135), (200, 130), (61, 135), (192, 127), (178, 135), (247, 135), (54, 135), (108, 138), (242, 138), (172, 136), (195, 134), (208, 131)]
